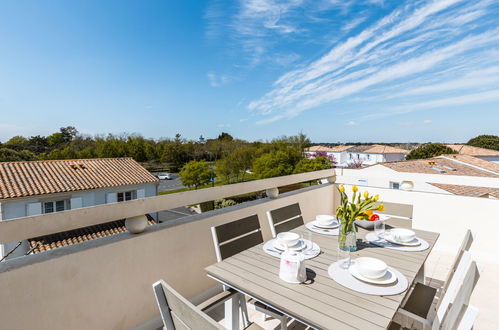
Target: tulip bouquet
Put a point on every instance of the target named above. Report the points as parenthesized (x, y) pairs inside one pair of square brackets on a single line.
[(349, 210)]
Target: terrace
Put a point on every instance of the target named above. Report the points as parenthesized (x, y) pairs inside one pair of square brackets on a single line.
[(106, 283)]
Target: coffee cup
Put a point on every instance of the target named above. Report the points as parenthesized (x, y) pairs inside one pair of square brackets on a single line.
[(288, 238)]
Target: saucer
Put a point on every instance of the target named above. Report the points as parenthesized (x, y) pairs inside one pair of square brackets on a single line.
[(299, 246), (388, 278), (332, 225), (415, 241)]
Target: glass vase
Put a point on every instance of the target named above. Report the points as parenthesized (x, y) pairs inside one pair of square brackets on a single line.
[(347, 243)]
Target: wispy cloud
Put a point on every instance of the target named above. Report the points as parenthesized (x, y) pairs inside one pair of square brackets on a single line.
[(351, 123), (419, 43), (216, 80)]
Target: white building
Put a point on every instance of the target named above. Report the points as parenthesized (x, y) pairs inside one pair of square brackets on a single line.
[(446, 174), (338, 152), (373, 154), (38, 187), (482, 153)]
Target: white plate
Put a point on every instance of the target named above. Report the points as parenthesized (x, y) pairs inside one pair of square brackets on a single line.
[(414, 242), (389, 277), (298, 247), (334, 224)]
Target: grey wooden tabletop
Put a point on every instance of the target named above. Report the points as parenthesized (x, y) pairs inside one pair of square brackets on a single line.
[(321, 302)]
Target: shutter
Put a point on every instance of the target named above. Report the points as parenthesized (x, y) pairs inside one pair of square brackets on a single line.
[(76, 202), (33, 209), (141, 193), (111, 198)]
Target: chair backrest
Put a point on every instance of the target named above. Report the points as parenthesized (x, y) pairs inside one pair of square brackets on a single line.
[(178, 313), (397, 210), (236, 236), (284, 219), (465, 246), (457, 297)]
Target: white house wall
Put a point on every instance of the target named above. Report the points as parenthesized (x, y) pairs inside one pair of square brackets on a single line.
[(16, 208), (381, 176)]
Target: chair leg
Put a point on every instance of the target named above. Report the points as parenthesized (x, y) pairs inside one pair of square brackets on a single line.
[(244, 310)]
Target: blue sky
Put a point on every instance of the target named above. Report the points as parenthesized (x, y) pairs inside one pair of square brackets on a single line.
[(337, 70)]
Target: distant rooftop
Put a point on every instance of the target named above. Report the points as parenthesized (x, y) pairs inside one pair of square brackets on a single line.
[(31, 178), (468, 190), (378, 149), (464, 149), (447, 165), (339, 148)]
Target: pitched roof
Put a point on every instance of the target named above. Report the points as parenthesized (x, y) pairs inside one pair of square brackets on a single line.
[(474, 161), (438, 165), (468, 190), (378, 149), (54, 241), (339, 148), (464, 149), (31, 178)]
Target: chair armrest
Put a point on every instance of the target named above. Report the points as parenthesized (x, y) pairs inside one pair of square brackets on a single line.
[(414, 317), (216, 300)]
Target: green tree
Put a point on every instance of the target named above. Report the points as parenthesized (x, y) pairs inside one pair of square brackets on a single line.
[(9, 155), (17, 142), (310, 165), (273, 164), (485, 141), (429, 150), (195, 173)]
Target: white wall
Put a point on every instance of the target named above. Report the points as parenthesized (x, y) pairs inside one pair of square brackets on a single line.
[(16, 208)]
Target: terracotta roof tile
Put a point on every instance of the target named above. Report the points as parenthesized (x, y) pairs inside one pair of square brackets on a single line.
[(54, 241), (438, 165), (22, 179), (464, 149), (339, 148), (468, 190), (378, 149), (474, 161)]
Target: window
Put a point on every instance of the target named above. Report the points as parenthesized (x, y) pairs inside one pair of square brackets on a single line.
[(55, 206), (395, 185), (351, 156), (368, 156), (362, 182), (125, 196)]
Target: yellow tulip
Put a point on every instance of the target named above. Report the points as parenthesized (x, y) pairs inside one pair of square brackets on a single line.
[(342, 188), (381, 207), (366, 194), (355, 189), (376, 197)]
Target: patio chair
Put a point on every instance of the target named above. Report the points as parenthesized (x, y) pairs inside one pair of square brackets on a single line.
[(453, 307), (422, 296), (237, 236), (284, 219), (400, 214), (178, 313)]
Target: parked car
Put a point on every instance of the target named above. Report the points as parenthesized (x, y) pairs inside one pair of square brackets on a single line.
[(165, 176)]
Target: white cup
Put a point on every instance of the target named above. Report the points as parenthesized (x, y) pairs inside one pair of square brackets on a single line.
[(324, 219), (371, 268), (402, 235), (288, 239)]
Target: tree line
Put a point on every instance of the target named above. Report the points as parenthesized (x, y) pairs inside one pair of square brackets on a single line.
[(228, 158)]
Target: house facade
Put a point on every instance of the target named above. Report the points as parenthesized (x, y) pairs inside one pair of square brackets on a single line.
[(373, 154), (446, 174), (339, 153), (39, 187)]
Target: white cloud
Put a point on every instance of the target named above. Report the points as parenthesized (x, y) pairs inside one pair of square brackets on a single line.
[(217, 80), (352, 123), (412, 44), (427, 121)]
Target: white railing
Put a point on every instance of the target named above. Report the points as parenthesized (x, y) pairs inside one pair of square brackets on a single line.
[(39, 225)]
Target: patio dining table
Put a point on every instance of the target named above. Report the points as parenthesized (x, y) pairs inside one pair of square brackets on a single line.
[(322, 303)]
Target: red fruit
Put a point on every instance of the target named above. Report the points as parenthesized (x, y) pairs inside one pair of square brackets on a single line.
[(374, 217)]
